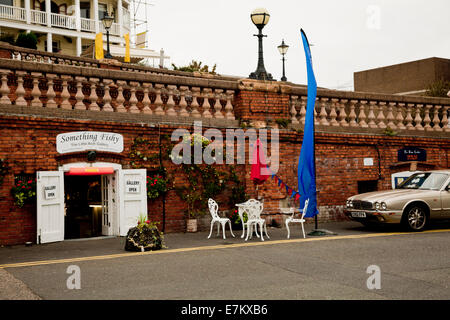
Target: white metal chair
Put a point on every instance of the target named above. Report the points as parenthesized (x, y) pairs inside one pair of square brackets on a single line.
[(291, 219), (254, 209), (213, 208)]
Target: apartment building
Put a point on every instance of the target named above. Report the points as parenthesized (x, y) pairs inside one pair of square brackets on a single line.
[(65, 26)]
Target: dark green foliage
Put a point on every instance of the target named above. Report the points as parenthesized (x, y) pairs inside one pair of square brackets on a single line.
[(195, 66), (9, 38), (3, 169), (283, 123), (438, 88), (27, 40)]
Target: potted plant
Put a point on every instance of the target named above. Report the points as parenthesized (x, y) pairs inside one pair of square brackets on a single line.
[(144, 237), (236, 223), (192, 214), (191, 222)]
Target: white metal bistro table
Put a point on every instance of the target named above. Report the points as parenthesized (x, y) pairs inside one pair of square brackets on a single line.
[(242, 207)]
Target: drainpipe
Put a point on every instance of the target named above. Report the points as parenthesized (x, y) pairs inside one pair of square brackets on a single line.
[(379, 162), (164, 176)]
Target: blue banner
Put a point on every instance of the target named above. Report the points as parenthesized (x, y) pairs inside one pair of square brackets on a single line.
[(306, 163)]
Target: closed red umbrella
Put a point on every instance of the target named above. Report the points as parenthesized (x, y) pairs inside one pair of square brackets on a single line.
[(260, 171)]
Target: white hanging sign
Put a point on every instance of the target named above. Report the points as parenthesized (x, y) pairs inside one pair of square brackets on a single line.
[(89, 140)]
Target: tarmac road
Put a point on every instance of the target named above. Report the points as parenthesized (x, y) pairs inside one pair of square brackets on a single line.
[(412, 266)]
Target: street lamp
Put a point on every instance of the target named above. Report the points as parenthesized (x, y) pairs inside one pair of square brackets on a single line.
[(107, 23), (260, 17), (283, 48)]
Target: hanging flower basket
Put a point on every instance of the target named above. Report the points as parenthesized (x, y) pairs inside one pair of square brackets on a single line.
[(24, 192)]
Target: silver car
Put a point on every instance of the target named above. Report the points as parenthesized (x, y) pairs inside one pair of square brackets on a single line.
[(418, 199)]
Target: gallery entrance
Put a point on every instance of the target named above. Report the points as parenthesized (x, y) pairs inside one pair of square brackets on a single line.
[(83, 200), (83, 206)]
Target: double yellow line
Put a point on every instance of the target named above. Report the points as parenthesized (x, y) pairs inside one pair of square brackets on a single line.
[(203, 248)]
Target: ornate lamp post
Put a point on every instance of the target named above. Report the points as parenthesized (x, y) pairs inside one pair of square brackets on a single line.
[(260, 17), (283, 48), (107, 23)]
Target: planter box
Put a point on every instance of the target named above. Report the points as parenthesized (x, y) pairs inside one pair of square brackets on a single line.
[(191, 225)]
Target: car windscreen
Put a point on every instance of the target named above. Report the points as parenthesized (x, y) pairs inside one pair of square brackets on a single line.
[(425, 181)]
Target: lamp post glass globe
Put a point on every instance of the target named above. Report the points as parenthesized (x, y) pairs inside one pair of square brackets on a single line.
[(107, 21), (283, 48), (260, 17)]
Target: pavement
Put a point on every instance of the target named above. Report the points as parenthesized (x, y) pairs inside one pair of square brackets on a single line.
[(414, 265), (115, 245)]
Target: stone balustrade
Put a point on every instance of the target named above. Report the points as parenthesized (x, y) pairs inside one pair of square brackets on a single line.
[(184, 95), (67, 87), (30, 55), (373, 114)]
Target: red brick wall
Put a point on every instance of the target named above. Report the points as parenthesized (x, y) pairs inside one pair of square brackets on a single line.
[(251, 105), (29, 145)]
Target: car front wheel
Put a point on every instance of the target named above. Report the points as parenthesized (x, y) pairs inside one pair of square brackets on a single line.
[(415, 218)]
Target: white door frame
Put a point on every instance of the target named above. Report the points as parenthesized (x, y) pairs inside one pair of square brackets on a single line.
[(115, 214)]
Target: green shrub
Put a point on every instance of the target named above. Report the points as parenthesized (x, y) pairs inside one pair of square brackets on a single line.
[(438, 88), (9, 38), (27, 40)]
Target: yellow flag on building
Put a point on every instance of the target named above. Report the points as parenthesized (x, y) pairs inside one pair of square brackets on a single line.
[(99, 46), (127, 47)]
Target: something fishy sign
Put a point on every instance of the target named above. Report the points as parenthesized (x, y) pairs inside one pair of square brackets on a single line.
[(89, 140), (412, 154)]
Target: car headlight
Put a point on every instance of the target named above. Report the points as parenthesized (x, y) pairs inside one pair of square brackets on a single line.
[(377, 206), (383, 206), (349, 204)]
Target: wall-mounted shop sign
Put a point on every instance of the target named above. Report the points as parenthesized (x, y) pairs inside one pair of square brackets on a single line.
[(412, 154), (133, 186), (89, 140), (50, 192)]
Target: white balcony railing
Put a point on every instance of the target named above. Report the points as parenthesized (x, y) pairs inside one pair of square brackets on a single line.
[(126, 17), (12, 13), (114, 30), (87, 25), (38, 17), (60, 20), (63, 21)]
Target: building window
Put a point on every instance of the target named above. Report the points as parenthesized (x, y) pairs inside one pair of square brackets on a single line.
[(367, 186), (56, 47), (85, 10), (7, 2), (63, 9), (102, 10), (36, 5)]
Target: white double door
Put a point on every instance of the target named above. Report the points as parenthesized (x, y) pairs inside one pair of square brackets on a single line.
[(124, 198)]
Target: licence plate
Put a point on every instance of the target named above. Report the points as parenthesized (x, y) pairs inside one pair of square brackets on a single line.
[(358, 214)]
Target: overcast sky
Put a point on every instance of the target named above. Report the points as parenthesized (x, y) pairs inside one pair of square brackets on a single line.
[(347, 35)]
